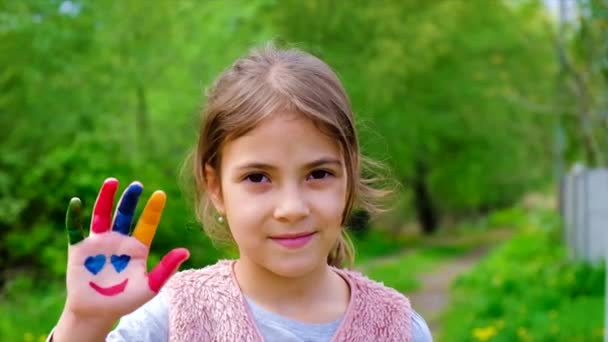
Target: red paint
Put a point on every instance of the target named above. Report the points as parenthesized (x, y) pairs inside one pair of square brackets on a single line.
[(293, 241), (110, 291), (102, 213), (166, 267)]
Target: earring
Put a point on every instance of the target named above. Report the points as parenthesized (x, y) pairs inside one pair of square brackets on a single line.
[(220, 219)]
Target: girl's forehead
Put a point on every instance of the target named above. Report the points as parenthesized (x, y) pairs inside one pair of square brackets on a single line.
[(287, 137)]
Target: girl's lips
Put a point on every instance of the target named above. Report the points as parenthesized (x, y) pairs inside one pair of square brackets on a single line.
[(293, 241)]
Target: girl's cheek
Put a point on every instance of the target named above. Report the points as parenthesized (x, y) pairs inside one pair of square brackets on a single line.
[(330, 202)]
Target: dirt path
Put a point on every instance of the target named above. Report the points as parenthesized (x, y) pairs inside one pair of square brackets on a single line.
[(433, 297)]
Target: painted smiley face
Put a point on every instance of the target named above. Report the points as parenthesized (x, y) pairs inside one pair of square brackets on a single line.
[(95, 264)]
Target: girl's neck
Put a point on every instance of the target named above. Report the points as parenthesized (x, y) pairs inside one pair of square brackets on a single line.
[(317, 297)]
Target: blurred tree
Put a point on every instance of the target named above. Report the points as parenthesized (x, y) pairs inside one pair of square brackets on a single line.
[(97, 89), (582, 47)]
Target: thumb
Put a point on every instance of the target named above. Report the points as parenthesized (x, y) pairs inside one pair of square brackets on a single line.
[(166, 267)]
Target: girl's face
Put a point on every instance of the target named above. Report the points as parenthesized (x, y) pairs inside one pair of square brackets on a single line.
[(283, 191)]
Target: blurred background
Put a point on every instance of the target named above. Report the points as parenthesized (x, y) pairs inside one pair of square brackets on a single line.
[(479, 107)]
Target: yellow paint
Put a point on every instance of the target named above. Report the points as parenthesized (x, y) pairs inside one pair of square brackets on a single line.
[(148, 222)]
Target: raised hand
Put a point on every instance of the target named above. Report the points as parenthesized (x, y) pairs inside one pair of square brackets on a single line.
[(107, 275)]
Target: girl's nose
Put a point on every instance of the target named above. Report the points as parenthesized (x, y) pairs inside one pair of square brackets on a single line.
[(291, 205)]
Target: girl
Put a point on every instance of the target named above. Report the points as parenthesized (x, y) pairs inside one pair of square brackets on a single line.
[(277, 171)]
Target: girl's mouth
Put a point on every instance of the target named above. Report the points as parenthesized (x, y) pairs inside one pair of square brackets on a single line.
[(293, 241)]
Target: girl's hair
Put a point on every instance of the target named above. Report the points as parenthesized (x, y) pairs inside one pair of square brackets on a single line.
[(267, 81)]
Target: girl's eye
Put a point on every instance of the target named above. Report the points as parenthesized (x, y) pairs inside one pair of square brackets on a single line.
[(319, 174), (256, 178)]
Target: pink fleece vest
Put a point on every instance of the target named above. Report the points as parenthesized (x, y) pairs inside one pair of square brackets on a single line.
[(207, 305)]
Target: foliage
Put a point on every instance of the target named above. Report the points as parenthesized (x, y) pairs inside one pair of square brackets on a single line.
[(359, 223), (105, 89), (527, 290), (582, 46)]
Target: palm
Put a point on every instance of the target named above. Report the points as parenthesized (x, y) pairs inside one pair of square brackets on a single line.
[(107, 273)]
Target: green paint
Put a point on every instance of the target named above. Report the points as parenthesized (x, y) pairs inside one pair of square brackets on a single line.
[(73, 221)]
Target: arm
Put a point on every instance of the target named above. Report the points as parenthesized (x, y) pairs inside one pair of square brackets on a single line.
[(106, 273), (420, 330)]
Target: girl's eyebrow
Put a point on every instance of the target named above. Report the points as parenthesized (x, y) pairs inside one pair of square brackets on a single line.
[(313, 164)]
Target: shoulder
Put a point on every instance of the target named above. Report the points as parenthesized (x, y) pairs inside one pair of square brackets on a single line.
[(375, 309), (374, 291)]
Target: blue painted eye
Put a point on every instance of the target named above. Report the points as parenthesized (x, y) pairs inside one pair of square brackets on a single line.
[(120, 262), (95, 263)]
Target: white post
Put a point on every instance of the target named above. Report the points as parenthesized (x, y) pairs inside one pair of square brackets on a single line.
[(605, 247)]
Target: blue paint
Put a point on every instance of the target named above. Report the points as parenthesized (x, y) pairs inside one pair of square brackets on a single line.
[(95, 263), (120, 262), (126, 209), (122, 223)]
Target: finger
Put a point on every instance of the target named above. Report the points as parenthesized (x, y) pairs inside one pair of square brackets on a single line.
[(166, 267), (73, 221), (102, 212), (126, 208), (150, 217)]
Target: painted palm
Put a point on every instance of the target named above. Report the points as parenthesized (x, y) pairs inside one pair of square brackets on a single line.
[(107, 273)]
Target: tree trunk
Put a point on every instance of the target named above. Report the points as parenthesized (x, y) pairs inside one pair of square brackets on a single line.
[(425, 209)]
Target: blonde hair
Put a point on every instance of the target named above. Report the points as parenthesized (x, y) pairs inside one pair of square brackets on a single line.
[(267, 81)]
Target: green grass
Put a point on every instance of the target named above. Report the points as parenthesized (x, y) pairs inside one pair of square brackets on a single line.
[(402, 272), (28, 311), (527, 290), (399, 261), (377, 243)]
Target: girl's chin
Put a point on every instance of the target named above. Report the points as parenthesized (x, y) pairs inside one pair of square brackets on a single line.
[(294, 268)]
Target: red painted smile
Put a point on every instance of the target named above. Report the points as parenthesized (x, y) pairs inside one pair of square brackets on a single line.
[(109, 291)]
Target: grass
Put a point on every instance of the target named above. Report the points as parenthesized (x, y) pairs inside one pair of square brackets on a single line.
[(400, 267), (528, 290), (29, 311), (402, 272)]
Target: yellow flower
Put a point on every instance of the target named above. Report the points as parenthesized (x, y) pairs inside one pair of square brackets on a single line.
[(497, 281), (522, 333), (485, 333), (497, 59), (41, 338)]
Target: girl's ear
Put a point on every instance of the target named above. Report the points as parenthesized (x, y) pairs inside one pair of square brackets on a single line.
[(214, 188)]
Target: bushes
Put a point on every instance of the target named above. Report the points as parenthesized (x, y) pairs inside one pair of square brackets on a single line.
[(528, 291)]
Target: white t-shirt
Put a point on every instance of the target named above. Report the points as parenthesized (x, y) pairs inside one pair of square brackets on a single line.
[(150, 323)]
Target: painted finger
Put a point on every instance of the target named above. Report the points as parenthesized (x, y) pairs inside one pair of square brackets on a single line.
[(102, 212), (126, 208), (150, 217), (166, 267), (73, 221)]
